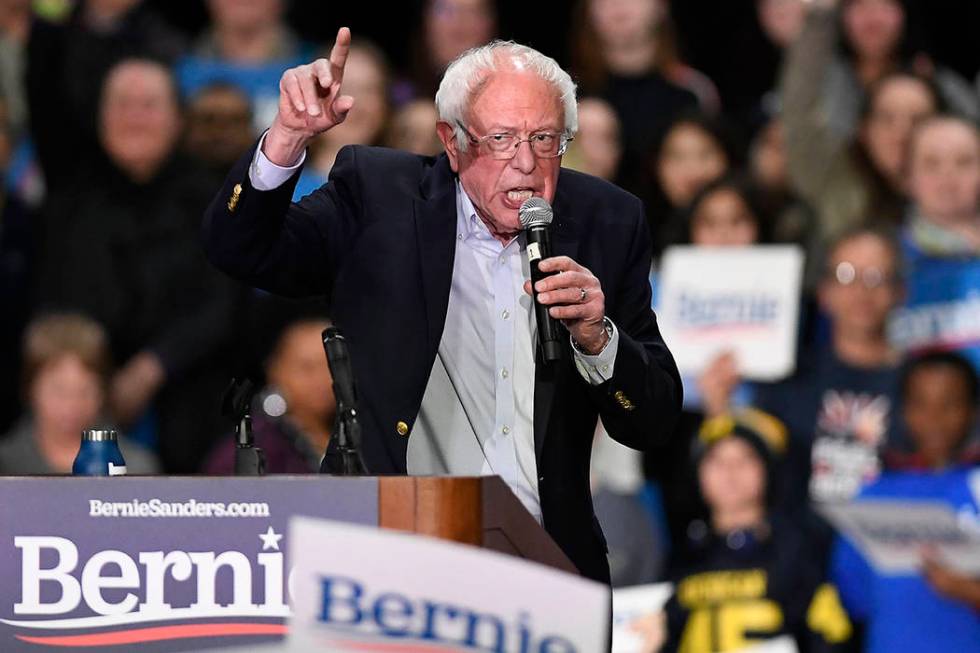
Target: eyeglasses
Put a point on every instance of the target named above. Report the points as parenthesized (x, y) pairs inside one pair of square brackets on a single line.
[(503, 146), (846, 274)]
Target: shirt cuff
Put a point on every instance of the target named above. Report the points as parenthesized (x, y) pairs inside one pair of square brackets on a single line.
[(266, 175), (598, 368)]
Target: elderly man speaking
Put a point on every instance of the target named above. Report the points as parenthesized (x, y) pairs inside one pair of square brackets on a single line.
[(424, 260)]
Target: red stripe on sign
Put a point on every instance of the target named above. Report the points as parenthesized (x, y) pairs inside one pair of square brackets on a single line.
[(160, 633)]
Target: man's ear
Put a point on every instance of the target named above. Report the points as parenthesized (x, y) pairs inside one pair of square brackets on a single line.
[(448, 137)]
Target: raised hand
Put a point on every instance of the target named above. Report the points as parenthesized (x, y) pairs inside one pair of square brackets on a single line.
[(718, 382), (310, 103)]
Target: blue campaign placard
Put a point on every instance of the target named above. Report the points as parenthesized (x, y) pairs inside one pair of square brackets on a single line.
[(168, 564), (942, 307)]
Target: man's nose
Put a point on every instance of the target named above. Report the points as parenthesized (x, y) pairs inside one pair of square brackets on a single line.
[(524, 160)]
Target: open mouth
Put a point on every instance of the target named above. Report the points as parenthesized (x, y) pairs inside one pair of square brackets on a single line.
[(517, 196)]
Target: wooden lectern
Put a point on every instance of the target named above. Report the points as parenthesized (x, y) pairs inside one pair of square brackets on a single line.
[(480, 511)]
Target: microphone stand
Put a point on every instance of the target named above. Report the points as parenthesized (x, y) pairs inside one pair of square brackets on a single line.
[(349, 442), (348, 428), (237, 403)]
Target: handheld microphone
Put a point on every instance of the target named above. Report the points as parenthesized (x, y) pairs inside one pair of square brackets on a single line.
[(536, 215)]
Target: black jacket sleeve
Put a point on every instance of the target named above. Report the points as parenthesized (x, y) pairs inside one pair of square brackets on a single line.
[(265, 240), (640, 404)]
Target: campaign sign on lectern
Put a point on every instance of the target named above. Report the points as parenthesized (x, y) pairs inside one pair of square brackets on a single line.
[(364, 589), (155, 564)]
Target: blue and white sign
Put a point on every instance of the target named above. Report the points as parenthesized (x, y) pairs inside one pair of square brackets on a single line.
[(357, 589), (739, 299), (892, 534), (159, 565), (942, 306)]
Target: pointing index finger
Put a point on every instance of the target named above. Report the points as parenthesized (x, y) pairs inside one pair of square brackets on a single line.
[(338, 55)]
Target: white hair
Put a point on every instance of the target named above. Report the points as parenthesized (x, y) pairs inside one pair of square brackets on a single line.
[(472, 69)]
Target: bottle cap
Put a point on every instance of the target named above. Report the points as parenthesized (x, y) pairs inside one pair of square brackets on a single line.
[(99, 435)]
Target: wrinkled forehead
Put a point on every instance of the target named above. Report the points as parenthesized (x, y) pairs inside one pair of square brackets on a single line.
[(515, 97)]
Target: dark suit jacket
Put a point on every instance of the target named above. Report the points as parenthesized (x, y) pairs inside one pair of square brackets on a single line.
[(381, 238)]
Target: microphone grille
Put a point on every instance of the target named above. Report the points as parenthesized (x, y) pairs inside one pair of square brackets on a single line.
[(534, 212)]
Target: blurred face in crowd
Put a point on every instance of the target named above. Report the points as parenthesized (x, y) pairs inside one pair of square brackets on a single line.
[(413, 128), (299, 370), (898, 104), (108, 9), (860, 287), (944, 170), (219, 125), (66, 397), (938, 410), (454, 26), (732, 476), (873, 28), (689, 159), (723, 219), (769, 156), (365, 79), (625, 22), (781, 20), (512, 102), (597, 144), (245, 14), (139, 122)]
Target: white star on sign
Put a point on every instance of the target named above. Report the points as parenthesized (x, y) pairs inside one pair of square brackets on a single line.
[(270, 539)]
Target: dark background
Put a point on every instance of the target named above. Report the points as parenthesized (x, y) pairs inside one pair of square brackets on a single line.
[(721, 38)]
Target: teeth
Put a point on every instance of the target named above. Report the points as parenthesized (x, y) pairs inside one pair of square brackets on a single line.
[(519, 195)]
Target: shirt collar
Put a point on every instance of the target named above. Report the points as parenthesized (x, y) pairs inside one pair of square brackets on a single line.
[(470, 227)]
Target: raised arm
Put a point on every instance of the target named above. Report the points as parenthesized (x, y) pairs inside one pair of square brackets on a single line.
[(251, 230), (812, 146)]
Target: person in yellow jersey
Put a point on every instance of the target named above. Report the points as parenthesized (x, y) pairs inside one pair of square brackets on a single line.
[(746, 575)]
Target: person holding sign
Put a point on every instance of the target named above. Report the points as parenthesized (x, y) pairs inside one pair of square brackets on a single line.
[(939, 609), (941, 241), (423, 259), (840, 404)]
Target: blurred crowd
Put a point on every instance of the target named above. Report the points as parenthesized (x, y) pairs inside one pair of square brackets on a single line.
[(836, 129)]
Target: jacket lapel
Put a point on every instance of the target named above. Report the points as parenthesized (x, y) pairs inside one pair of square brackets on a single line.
[(435, 230)]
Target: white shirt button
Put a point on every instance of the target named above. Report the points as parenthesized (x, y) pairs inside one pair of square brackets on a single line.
[(504, 373), (505, 430), (505, 314)]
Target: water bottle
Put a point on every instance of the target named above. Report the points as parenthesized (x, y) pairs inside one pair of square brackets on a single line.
[(99, 454)]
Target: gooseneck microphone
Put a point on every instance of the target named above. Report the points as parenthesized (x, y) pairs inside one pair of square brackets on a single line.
[(348, 430), (338, 357), (236, 404), (536, 215)]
